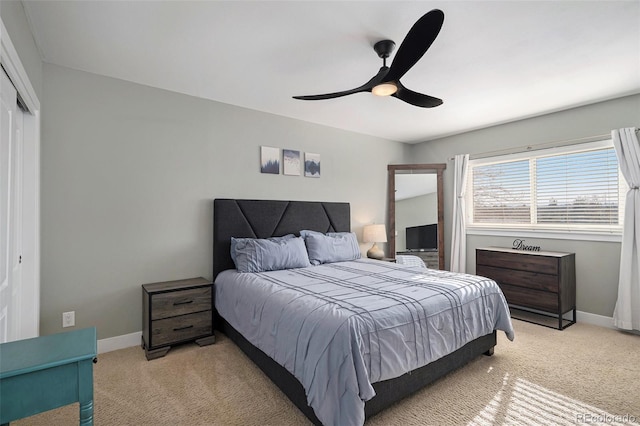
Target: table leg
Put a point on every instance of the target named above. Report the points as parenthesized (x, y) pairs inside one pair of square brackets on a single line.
[(86, 413), (85, 392)]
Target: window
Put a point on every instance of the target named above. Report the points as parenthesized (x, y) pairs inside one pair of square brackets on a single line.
[(571, 189)]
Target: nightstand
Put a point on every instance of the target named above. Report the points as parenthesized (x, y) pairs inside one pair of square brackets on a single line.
[(176, 312)]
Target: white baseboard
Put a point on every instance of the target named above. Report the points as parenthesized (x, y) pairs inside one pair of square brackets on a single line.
[(594, 319), (133, 339), (119, 342)]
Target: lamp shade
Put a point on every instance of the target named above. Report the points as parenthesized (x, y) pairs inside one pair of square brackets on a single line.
[(374, 234)]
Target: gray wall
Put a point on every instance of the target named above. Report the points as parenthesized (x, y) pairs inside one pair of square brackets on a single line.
[(129, 173), (15, 20), (415, 211), (597, 263)]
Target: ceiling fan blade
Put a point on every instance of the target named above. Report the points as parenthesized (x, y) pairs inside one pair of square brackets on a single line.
[(415, 98), (416, 43), (364, 88), (331, 95)]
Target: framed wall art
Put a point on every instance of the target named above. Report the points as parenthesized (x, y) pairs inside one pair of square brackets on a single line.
[(311, 164), (269, 160), (291, 162)]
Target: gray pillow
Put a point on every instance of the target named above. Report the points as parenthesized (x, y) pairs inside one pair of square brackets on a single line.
[(331, 247), (234, 242), (260, 255)]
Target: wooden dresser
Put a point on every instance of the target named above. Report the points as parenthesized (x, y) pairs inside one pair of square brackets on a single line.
[(176, 312), (541, 284)]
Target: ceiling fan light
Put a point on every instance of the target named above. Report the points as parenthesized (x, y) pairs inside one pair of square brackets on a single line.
[(384, 89)]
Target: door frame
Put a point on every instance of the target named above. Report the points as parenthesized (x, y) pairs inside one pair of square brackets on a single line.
[(30, 321)]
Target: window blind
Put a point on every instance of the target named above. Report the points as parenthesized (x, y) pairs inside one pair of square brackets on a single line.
[(573, 188)]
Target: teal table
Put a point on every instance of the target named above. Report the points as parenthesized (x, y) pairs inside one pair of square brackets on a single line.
[(47, 372)]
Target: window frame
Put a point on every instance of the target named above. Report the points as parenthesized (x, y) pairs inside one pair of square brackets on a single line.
[(550, 231)]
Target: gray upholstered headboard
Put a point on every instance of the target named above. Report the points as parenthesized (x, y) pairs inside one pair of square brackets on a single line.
[(268, 218)]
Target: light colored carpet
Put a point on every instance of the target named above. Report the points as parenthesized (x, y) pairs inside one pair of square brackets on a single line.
[(582, 375)]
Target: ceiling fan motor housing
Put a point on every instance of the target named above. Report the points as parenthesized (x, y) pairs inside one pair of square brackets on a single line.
[(384, 48)]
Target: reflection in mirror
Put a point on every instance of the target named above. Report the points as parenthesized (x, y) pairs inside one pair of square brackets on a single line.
[(417, 210), (416, 225)]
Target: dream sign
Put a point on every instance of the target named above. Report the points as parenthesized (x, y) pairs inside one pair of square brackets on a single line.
[(519, 244)]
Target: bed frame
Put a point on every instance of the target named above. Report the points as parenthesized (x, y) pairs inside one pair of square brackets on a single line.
[(266, 218)]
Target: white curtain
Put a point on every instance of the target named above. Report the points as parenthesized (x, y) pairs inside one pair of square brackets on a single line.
[(458, 234), (627, 312)]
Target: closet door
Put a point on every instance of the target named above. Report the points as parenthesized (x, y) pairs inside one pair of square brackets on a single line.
[(10, 211)]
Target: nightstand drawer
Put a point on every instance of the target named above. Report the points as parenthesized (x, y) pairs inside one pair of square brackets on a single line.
[(183, 302), (181, 328)]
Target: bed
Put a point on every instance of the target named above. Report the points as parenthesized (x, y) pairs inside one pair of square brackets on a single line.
[(368, 386)]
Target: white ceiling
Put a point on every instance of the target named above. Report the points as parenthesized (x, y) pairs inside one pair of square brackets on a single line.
[(493, 62)]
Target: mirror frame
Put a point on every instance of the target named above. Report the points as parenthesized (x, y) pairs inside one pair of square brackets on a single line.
[(436, 168)]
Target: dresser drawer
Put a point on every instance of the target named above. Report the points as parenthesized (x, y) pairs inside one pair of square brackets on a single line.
[(519, 261), (182, 302), (532, 280), (530, 298), (185, 327)]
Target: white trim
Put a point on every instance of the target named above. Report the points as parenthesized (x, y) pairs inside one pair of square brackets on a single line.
[(119, 342), (537, 147), (584, 317), (587, 144), (544, 234), (31, 218), (134, 339), (570, 231), (16, 72), (595, 319), (11, 63)]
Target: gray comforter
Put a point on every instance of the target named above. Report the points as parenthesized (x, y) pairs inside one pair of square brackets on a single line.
[(340, 327)]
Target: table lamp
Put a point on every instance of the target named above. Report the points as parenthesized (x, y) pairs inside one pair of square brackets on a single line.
[(374, 234)]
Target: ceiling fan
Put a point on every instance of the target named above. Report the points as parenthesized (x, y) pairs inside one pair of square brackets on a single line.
[(387, 81)]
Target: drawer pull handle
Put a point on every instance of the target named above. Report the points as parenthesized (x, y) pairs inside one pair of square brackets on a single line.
[(182, 328), (182, 303)]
